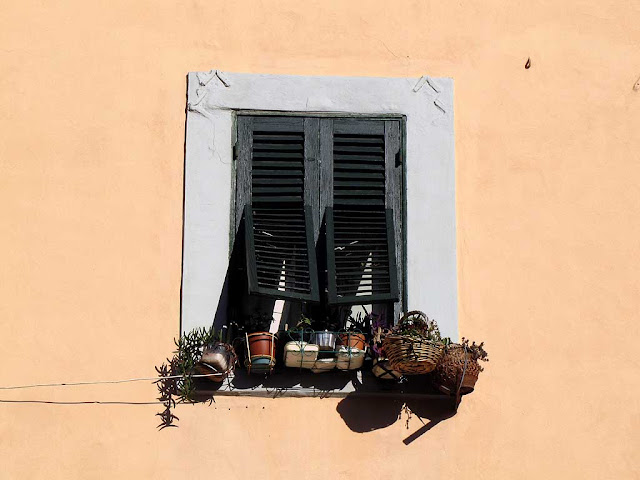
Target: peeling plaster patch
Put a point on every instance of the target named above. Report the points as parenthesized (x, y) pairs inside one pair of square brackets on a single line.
[(636, 87), (423, 79), (222, 78), (193, 107), (201, 94), (433, 85), (429, 81), (205, 77)]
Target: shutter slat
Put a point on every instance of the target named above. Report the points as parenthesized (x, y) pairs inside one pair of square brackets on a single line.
[(260, 146), (275, 138), (363, 166), (348, 140)]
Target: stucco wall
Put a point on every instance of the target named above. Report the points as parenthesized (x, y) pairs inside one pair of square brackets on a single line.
[(92, 99)]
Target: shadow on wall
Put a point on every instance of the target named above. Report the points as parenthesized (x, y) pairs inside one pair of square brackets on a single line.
[(366, 414)]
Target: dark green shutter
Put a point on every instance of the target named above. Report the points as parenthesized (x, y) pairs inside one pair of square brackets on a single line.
[(279, 241), (361, 254)]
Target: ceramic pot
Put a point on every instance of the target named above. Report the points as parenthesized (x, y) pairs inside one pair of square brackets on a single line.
[(323, 365), (325, 340), (300, 354), (217, 357), (261, 343), (349, 358), (353, 340)]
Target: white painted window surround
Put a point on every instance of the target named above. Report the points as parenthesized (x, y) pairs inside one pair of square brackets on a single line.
[(212, 99)]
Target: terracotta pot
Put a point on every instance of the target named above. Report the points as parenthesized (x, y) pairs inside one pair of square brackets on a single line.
[(353, 340), (261, 343)]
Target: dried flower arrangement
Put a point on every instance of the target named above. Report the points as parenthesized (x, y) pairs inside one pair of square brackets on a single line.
[(458, 371), (416, 324), (476, 351)]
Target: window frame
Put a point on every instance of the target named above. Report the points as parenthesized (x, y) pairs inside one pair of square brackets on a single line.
[(427, 103), (394, 201)]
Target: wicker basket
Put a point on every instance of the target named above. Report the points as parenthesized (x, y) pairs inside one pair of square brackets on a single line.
[(457, 370), (410, 355), (382, 370)]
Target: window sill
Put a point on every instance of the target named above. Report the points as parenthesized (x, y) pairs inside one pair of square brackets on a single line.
[(337, 384)]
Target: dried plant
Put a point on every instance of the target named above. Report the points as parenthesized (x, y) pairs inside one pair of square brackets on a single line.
[(379, 330), (417, 324), (476, 351)]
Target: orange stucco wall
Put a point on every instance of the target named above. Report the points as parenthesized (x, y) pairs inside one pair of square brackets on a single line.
[(92, 98)]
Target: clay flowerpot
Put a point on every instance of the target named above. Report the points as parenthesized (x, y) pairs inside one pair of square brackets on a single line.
[(353, 340), (261, 343)]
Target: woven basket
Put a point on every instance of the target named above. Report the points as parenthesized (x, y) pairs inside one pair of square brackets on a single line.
[(412, 355), (382, 370), (457, 370)]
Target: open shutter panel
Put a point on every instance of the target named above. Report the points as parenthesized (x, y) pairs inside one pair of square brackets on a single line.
[(279, 241), (361, 256)]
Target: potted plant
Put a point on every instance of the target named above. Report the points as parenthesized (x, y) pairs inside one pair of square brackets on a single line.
[(326, 339), (260, 344), (193, 349), (218, 357), (414, 345), (458, 371), (297, 352), (353, 336), (302, 327)]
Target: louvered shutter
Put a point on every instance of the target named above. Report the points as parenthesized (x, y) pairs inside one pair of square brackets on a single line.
[(361, 253), (279, 240)]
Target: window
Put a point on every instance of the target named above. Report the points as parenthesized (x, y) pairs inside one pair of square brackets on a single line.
[(321, 194), (423, 108)]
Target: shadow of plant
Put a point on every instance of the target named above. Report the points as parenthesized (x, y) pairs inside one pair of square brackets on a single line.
[(167, 386), (435, 411), (366, 414)]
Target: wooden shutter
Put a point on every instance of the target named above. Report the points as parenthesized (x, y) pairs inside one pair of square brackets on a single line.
[(279, 230), (361, 253)]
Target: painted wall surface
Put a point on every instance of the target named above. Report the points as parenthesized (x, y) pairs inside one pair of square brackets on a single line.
[(92, 102)]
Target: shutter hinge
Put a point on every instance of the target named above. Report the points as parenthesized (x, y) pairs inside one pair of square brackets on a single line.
[(398, 157)]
